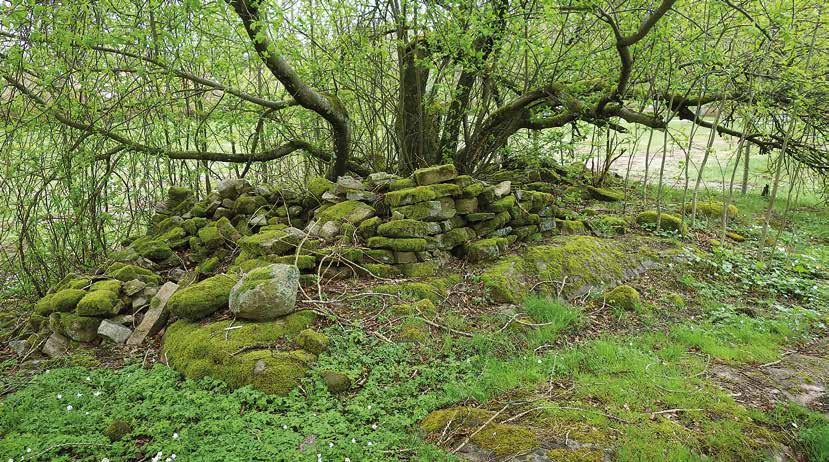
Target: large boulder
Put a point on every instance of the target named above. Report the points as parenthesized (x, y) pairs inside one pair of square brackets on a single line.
[(61, 301), (100, 302), (266, 293), (203, 298), (77, 328), (239, 356)]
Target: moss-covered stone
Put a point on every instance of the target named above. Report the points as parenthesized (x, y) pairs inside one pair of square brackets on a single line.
[(152, 248), (112, 285), (402, 183), (266, 293), (455, 237), (211, 237), (99, 303), (413, 290), (77, 328), (352, 211), (485, 249), (368, 228), (335, 382), (736, 237), (435, 174), (605, 194), (466, 206), (400, 245), (125, 273), (420, 194), (62, 301), (175, 238), (203, 298), (503, 204), (379, 256), (667, 221), (179, 200), (117, 430), (318, 186), (712, 209), (483, 228), (501, 439), (235, 356), (571, 227), (312, 341), (209, 266), (72, 281), (227, 230), (423, 307), (419, 269), (193, 225), (414, 331), (271, 242), (609, 225), (505, 281), (623, 297), (408, 228), (382, 270), (429, 210)]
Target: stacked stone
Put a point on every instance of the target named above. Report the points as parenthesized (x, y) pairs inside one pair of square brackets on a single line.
[(82, 309)]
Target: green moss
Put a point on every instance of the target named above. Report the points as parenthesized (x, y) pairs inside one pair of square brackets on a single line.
[(61, 301), (504, 281), (270, 242), (402, 183), (213, 350), (399, 245), (413, 291), (193, 225), (735, 236), (414, 331), (435, 174), (312, 341), (211, 237), (117, 430), (202, 298), (712, 209), (605, 194), (227, 230), (336, 382), (466, 206), (209, 266), (571, 227), (676, 300), (623, 297), (423, 307), (126, 273), (368, 228), (419, 269), (247, 204), (353, 212), (382, 270), (155, 249), (112, 285), (318, 186), (667, 221), (485, 249), (408, 228), (485, 227), (502, 439), (502, 205), (72, 281), (609, 224), (179, 200), (99, 303), (378, 256), (455, 237), (77, 328), (420, 194)]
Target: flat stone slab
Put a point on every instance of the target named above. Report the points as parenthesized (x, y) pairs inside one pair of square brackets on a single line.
[(155, 317)]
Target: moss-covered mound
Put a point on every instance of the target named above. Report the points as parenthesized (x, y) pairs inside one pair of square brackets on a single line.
[(61, 301), (237, 356), (712, 209), (666, 221), (500, 439), (605, 194), (623, 297), (202, 298), (573, 264)]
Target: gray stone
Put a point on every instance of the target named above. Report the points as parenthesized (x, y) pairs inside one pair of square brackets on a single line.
[(362, 196), (138, 302), (348, 183), (123, 319), (502, 189), (114, 331), (56, 346), (228, 203), (131, 288), (156, 316), (19, 347), (381, 178), (330, 197), (266, 293), (232, 188), (258, 220), (329, 230)]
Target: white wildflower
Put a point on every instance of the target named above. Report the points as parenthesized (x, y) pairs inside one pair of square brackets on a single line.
[(69, 407), (369, 443), (60, 396), (374, 426), (175, 436)]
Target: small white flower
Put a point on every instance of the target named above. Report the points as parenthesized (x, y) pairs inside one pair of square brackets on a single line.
[(347, 460), (175, 436), (11, 460), (369, 443), (374, 426), (173, 456), (353, 440), (369, 407), (105, 459), (69, 407), (88, 379), (28, 450), (539, 361), (168, 460), (319, 457), (86, 413), (78, 394), (284, 427), (60, 396), (330, 445), (96, 394)]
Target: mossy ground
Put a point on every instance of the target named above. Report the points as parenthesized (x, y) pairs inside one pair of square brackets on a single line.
[(631, 385)]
